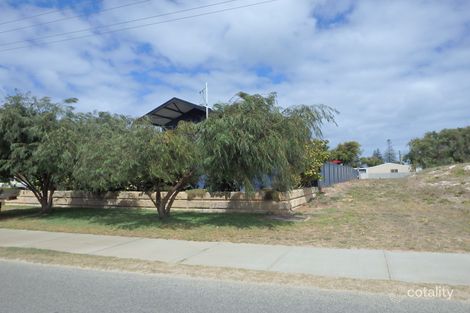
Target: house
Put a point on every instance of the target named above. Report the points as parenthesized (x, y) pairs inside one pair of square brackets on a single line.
[(175, 110), (386, 170)]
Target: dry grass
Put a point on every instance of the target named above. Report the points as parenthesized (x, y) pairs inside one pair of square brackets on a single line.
[(425, 212), (429, 211), (391, 288)]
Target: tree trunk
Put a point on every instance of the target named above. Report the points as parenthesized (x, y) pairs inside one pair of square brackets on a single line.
[(158, 203), (164, 204), (46, 201), (43, 194), (161, 208)]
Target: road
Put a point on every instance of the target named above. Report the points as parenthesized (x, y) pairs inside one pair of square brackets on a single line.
[(28, 287)]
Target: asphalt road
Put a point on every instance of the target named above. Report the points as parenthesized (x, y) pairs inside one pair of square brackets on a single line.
[(38, 288)]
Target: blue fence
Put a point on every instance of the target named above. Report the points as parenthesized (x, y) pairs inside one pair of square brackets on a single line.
[(333, 174)]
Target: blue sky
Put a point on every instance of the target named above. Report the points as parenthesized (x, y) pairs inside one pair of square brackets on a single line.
[(394, 69)]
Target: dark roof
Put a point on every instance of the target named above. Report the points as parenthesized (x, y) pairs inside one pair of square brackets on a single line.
[(174, 110)]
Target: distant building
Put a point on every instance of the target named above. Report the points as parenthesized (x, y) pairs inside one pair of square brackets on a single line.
[(386, 170)]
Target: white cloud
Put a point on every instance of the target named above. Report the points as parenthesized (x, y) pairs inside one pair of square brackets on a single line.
[(394, 69)]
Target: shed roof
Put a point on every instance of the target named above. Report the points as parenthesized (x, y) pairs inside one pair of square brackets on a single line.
[(174, 110), (389, 164)]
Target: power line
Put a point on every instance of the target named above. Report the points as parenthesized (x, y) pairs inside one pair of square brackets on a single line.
[(149, 24), (121, 23), (40, 14), (28, 17), (72, 17)]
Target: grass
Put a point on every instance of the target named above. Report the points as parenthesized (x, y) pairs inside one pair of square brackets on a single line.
[(392, 288), (142, 223), (425, 212), (429, 211)]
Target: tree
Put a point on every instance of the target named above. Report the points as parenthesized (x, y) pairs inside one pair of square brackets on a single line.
[(316, 154), (124, 153), (378, 155), (253, 139), (439, 148), (165, 161), (347, 152), (104, 162), (371, 161), (47, 146), (389, 154), (37, 144), (374, 160)]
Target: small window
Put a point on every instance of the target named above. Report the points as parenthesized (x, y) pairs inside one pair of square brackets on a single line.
[(393, 170)]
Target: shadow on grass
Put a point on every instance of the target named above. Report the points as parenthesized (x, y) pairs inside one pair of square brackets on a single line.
[(19, 213), (133, 219)]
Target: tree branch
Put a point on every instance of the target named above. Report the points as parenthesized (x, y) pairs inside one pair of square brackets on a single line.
[(170, 202), (28, 184), (149, 194), (178, 185)]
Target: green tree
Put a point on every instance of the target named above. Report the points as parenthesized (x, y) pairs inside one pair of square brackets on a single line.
[(378, 155), (165, 161), (103, 159), (347, 152), (316, 154), (371, 161), (439, 148), (252, 139), (374, 160), (37, 144), (118, 153)]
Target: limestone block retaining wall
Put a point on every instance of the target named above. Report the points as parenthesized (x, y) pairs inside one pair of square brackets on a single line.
[(263, 201)]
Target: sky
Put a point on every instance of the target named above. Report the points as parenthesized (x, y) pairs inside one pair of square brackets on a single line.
[(393, 69)]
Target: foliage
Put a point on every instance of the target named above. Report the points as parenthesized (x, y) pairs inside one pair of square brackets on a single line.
[(316, 154), (119, 153), (37, 144), (439, 148), (371, 161), (165, 160), (47, 146), (389, 155), (378, 155), (374, 160), (253, 139), (103, 163), (347, 152)]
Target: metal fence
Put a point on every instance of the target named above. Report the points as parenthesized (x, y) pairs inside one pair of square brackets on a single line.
[(333, 174)]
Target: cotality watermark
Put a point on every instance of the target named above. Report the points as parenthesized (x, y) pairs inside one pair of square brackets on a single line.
[(437, 292)]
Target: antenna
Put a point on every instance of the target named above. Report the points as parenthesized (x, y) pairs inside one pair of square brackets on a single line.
[(206, 98), (205, 93)]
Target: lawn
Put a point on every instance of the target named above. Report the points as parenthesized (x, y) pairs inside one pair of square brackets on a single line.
[(425, 212)]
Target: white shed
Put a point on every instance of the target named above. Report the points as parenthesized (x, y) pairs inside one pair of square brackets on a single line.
[(386, 170)]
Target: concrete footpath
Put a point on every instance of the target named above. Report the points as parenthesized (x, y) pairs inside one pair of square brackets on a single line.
[(416, 267)]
